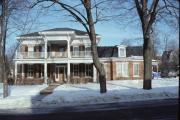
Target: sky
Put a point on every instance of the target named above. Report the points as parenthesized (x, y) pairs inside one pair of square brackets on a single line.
[(112, 32)]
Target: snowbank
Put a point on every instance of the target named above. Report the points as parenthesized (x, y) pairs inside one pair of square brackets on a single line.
[(20, 96), (118, 91), (78, 94)]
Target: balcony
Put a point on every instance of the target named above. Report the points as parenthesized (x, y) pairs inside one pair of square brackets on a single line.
[(80, 54), (40, 55), (30, 55), (57, 54)]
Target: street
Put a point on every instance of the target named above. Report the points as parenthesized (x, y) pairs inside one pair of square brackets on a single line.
[(166, 109)]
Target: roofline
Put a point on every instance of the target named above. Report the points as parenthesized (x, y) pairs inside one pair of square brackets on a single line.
[(121, 45), (55, 32), (28, 37)]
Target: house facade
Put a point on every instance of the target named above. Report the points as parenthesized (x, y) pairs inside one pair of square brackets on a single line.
[(63, 55)]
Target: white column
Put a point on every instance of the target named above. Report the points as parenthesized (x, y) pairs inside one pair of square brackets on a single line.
[(68, 71), (45, 48), (22, 74), (45, 73), (45, 61), (94, 74), (68, 48), (15, 72)]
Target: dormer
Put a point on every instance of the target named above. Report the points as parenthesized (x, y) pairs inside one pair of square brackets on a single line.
[(121, 50)]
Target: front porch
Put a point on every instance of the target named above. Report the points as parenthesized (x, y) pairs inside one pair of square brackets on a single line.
[(56, 73)]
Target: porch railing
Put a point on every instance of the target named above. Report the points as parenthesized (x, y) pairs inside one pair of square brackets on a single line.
[(40, 55), (81, 54), (57, 54), (33, 55)]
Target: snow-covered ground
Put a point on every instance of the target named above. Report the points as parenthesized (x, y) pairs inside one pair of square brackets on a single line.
[(79, 94)]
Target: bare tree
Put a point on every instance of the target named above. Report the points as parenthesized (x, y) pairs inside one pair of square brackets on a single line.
[(11, 12), (131, 41), (147, 17), (3, 25), (85, 17), (149, 13), (156, 44)]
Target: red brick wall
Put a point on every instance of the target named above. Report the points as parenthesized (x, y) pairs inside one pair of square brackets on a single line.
[(111, 73)]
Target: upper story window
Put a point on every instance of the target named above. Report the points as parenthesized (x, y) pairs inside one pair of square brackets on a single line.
[(75, 50), (38, 48), (121, 51), (88, 51), (26, 48)]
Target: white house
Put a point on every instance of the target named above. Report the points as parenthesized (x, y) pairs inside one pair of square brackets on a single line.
[(63, 55)]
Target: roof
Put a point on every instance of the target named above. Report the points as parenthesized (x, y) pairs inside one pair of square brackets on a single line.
[(134, 51), (77, 32), (107, 51), (112, 51)]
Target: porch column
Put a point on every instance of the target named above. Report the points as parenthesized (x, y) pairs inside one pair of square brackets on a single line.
[(94, 74), (15, 72), (68, 49), (45, 73), (68, 72), (45, 48), (22, 72), (45, 61)]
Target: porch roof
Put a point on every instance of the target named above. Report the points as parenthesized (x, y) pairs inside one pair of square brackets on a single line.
[(77, 32)]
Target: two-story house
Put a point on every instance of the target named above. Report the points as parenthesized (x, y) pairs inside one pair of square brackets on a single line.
[(63, 55)]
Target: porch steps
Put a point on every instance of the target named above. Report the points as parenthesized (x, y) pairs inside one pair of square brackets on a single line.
[(49, 89)]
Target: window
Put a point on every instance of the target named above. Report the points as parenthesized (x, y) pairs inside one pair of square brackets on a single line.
[(76, 70), (135, 69), (61, 49), (30, 52), (75, 51), (88, 51), (88, 68), (26, 48), (81, 51), (30, 71), (122, 52), (122, 69)]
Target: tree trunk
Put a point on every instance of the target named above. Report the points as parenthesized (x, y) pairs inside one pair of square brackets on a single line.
[(3, 44), (147, 51), (92, 34), (1, 66), (99, 66)]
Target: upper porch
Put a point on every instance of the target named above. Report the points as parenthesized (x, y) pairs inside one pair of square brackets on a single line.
[(52, 50)]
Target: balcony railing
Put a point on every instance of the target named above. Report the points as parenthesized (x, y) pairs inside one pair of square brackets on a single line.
[(30, 55), (57, 54), (40, 55), (81, 54)]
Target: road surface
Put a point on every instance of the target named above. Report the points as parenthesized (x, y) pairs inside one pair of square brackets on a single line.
[(166, 109)]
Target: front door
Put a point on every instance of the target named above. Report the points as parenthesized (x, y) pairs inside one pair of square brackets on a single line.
[(60, 74)]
